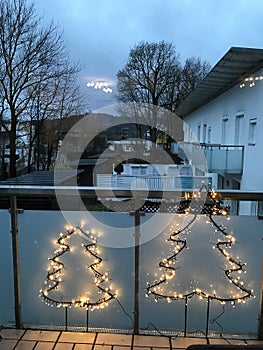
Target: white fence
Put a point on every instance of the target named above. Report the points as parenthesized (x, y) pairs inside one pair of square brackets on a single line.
[(151, 182)]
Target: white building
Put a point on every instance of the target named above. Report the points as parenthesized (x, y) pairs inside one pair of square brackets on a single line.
[(225, 115)]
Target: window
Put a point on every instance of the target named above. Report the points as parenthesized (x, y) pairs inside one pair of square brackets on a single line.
[(260, 210), (221, 182), (204, 133), (209, 135), (199, 133), (254, 208), (235, 185), (224, 130), (238, 128), (189, 134), (252, 131), (137, 170)]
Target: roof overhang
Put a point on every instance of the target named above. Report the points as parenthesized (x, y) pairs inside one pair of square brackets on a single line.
[(237, 64)]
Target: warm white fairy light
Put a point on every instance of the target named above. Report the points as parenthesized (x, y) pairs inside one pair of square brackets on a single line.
[(56, 269), (250, 81), (156, 288), (100, 85)]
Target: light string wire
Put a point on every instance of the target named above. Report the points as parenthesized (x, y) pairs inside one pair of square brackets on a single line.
[(237, 266), (215, 320), (213, 208), (56, 269), (165, 263)]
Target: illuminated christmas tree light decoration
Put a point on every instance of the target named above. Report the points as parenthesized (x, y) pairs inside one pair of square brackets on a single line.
[(56, 270), (233, 270)]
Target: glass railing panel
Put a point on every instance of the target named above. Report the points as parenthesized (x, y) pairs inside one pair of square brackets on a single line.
[(200, 266), (6, 272), (227, 159), (235, 161), (216, 159), (38, 233)]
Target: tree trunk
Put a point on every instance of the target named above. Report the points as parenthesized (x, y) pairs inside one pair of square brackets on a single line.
[(29, 159), (30, 149), (49, 157), (38, 146), (12, 145)]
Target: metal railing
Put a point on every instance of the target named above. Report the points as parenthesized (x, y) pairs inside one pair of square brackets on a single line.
[(227, 159), (152, 182)]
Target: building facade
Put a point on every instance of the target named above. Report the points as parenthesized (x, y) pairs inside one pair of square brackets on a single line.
[(224, 115)]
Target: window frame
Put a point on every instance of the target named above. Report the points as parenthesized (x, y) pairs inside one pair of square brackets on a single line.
[(209, 133), (199, 133), (204, 133), (240, 117), (224, 130), (252, 131)]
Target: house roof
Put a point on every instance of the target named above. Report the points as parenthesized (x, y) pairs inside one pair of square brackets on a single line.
[(42, 178), (237, 64), (97, 159)]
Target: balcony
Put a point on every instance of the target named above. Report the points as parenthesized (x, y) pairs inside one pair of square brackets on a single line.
[(224, 159), (132, 234), (151, 182)]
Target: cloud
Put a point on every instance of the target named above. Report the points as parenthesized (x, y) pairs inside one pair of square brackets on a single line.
[(100, 34)]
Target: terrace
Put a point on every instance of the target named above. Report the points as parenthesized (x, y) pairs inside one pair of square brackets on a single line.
[(197, 305)]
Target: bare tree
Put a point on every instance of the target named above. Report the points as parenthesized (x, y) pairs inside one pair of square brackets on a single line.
[(55, 99), (151, 71), (193, 72), (154, 76), (31, 60)]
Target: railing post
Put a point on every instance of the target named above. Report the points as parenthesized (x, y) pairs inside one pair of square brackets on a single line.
[(260, 324), (227, 150), (16, 264), (137, 221), (211, 157), (136, 269), (185, 315), (207, 317)]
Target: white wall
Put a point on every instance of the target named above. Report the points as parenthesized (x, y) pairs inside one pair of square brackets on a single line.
[(235, 102)]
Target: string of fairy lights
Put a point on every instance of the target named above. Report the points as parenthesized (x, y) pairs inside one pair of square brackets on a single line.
[(214, 208), (192, 207), (250, 81), (56, 270)]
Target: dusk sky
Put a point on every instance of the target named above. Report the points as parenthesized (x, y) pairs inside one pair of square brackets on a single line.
[(100, 33)]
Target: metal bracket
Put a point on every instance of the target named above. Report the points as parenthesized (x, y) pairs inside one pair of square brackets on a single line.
[(19, 211), (133, 213)]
